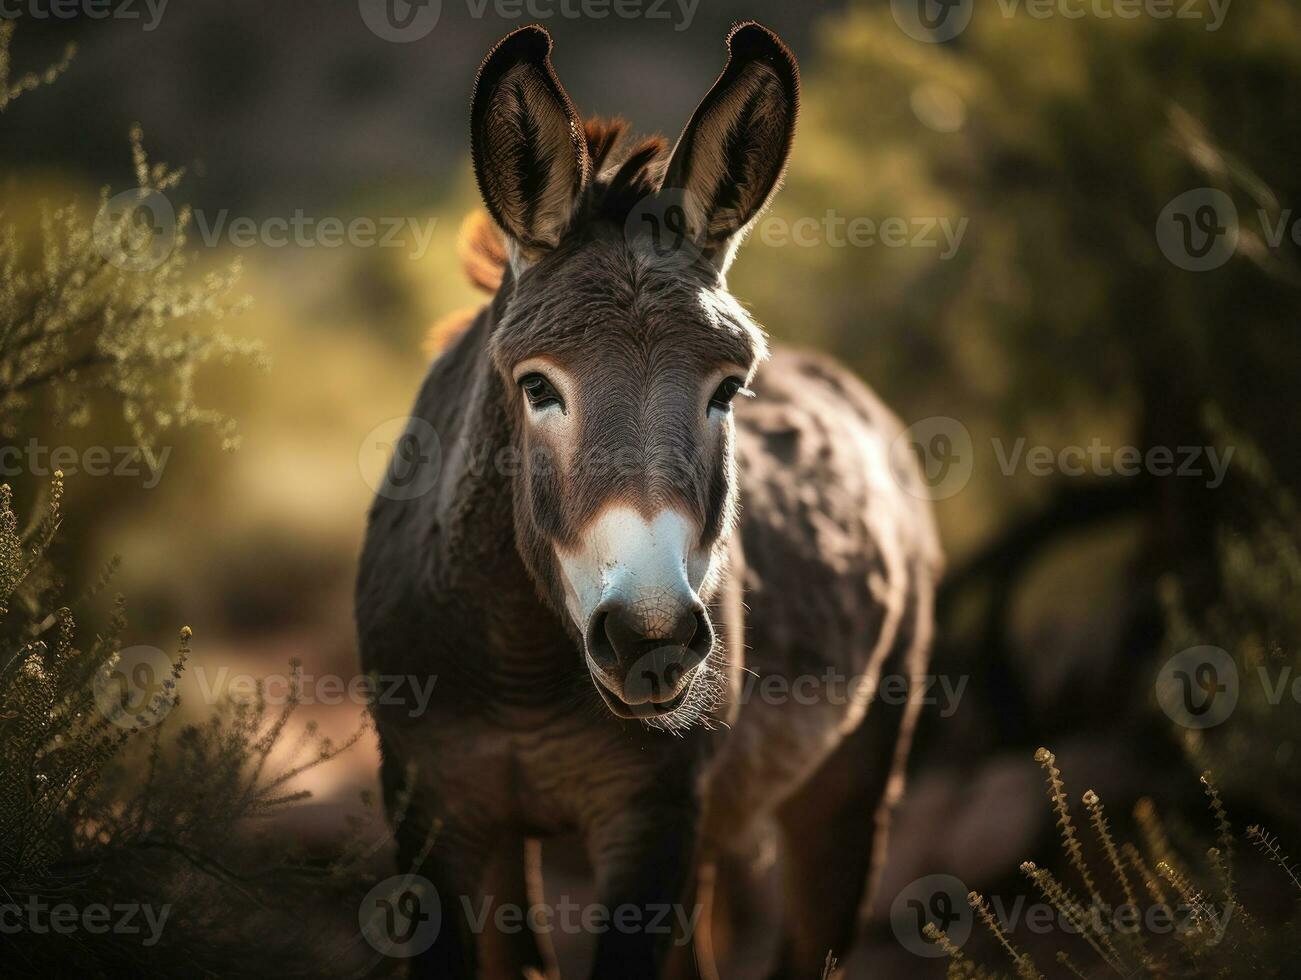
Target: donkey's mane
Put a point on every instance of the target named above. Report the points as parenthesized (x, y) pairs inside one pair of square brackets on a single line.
[(619, 181)]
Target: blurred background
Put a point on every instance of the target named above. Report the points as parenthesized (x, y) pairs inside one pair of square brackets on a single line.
[(1031, 227)]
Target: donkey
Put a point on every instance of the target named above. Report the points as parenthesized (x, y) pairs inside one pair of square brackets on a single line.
[(583, 498)]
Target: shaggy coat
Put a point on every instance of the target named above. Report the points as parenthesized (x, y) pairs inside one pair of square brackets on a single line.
[(658, 611)]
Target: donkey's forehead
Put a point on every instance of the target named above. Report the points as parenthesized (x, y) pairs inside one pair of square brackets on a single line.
[(601, 295)]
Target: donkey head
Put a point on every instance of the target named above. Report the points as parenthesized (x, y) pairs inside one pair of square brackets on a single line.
[(621, 352)]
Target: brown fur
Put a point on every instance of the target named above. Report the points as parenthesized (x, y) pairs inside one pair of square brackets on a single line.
[(793, 496)]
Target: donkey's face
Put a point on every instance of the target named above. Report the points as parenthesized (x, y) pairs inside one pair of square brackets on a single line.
[(621, 359)]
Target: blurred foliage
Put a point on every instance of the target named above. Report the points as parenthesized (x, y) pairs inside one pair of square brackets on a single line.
[(1061, 140), (82, 318), (98, 807), (1213, 933), (1257, 620)]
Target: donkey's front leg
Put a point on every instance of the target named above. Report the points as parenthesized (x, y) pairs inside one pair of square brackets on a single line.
[(643, 858), (454, 867)]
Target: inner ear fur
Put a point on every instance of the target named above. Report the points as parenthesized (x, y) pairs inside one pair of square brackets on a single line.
[(526, 139), (730, 158)]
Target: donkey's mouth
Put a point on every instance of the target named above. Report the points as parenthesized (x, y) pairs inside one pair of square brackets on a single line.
[(651, 692)]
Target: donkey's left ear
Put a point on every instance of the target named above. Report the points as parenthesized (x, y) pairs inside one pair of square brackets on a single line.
[(729, 160), (530, 155)]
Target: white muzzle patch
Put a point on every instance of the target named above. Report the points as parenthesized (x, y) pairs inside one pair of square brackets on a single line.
[(642, 562)]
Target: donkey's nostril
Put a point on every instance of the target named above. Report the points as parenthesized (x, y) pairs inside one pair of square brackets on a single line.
[(702, 639), (599, 645)]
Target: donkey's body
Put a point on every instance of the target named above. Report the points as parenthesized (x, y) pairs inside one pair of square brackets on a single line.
[(835, 561)]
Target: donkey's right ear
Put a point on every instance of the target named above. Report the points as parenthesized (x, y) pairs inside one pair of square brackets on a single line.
[(729, 160), (530, 155)]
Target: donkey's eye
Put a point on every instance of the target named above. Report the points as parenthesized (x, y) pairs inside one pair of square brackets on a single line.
[(539, 392), (728, 390)]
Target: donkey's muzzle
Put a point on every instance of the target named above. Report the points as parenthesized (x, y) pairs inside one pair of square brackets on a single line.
[(644, 654)]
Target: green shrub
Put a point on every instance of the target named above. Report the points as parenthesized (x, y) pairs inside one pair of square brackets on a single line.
[(101, 806)]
